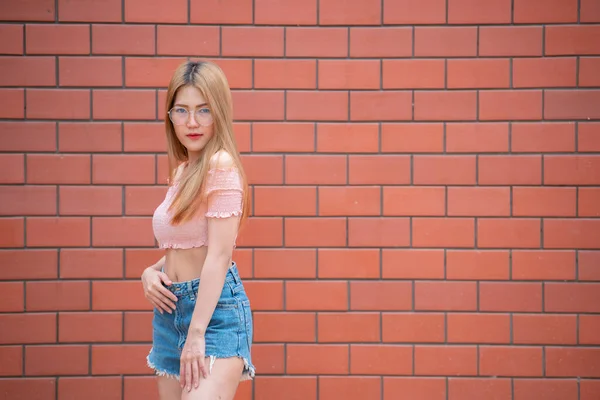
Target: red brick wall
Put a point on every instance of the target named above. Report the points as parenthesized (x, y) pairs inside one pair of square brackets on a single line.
[(426, 193)]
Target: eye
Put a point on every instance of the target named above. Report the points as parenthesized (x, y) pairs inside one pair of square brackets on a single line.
[(180, 110), (204, 111)]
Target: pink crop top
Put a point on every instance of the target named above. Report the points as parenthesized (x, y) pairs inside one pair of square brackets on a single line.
[(224, 192)]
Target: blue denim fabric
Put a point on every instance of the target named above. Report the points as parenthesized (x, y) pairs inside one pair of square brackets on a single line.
[(229, 332)]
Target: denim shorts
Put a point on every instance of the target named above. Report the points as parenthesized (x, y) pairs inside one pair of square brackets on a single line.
[(229, 332)]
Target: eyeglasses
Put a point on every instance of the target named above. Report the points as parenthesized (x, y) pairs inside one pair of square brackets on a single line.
[(181, 116)]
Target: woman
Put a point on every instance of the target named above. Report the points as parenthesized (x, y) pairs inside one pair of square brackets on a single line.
[(202, 324)]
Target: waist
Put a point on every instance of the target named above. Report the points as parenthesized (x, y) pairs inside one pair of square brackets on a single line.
[(190, 286)]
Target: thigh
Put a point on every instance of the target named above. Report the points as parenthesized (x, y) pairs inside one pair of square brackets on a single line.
[(221, 383), (168, 388)]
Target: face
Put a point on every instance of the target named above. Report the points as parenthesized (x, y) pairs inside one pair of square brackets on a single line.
[(192, 120)]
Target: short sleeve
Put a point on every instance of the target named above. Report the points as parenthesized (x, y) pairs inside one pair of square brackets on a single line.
[(225, 193)]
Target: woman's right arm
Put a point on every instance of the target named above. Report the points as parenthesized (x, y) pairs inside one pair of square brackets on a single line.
[(154, 281)]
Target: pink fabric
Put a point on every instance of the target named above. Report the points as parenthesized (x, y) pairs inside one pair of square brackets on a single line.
[(224, 192)]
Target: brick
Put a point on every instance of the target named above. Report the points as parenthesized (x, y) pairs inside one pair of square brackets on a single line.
[(577, 40), (510, 105), (58, 104), (12, 103), (444, 170), (492, 328), (588, 66), (13, 168), (177, 40), (510, 361), (306, 359), (378, 232), (510, 170), (144, 137), (445, 360), (57, 169), (443, 232), (122, 231), (571, 170), (252, 41), (138, 326), (316, 42), (572, 362), (477, 137), (290, 387), (12, 39), (349, 74), (133, 359), (381, 359), (270, 357), (510, 297), (284, 201), (11, 297), (261, 232), (117, 104), (589, 389), (92, 388), (260, 105), (510, 41), (412, 138), (550, 389), (589, 12), (143, 200), (348, 263), (377, 169), (123, 169), (136, 260), (445, 105), (317, 106), (415, 12), (315, 169), (58, 231), (571, 297), (476, 12), (156, 11), (341, 12), (57, 39), (445, 41), (445, 296), (286, 263), (571, 233), (36, 10), (381, 42), (571, 104), (543, 265), (545, 12), (315, 232), (219, 12), (28, 200), (283, 137), (349, 201), (91, 263), (56, 360), (477, 264), (412, 387), (265, 295), (90, 71), (89, 11), (90, 327), (28, 328), (27, 70), (13, 357), (238, 71), (544, 329), (544, 72), (347, 138), (380, 106), (587, 329), (381, 296), (299, 327), (543, 137), (413, 327), (281, 12), (90, 200), (28, 388), (478, 201), (63, 296), (478, 73), (118, 296), (414, 74), (367, 387), (150, 72), (414, 201), (544, 202), (30, 264), (493, 388), (348, 327), (505, 232), (123, 39), (588, 202), (285, 74), (134, 386)]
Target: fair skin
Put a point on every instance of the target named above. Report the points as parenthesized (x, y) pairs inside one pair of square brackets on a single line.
[(210, 264)]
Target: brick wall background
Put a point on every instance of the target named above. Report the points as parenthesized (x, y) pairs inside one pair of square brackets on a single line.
[(426, 193)]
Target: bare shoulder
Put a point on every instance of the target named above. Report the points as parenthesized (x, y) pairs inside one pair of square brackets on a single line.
[(222, 159)]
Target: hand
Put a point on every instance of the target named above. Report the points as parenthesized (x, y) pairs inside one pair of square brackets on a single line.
[(160, 297), (192, 361)]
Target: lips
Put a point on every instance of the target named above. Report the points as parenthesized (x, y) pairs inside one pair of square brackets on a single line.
[(194, 135)]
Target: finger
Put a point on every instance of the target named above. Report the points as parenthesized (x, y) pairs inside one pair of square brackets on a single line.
[(195, 374), (203, 368), (163, 300), (182, 374), (165, 278), (188, 376), (161, 305), (168, 296)]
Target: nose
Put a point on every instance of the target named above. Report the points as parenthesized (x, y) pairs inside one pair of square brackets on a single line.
[(191, 122)]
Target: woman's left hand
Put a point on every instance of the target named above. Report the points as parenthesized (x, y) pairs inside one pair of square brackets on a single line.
[(192, 364)]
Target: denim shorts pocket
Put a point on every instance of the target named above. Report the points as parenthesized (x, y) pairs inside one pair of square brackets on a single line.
[(226, 304)]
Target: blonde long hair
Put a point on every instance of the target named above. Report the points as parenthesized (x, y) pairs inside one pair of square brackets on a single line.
[(210, 80)]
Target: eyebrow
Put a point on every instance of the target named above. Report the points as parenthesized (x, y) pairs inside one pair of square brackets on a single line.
[(185, 105)]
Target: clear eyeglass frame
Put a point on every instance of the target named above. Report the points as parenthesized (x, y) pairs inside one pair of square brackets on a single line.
[(202, 116)]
